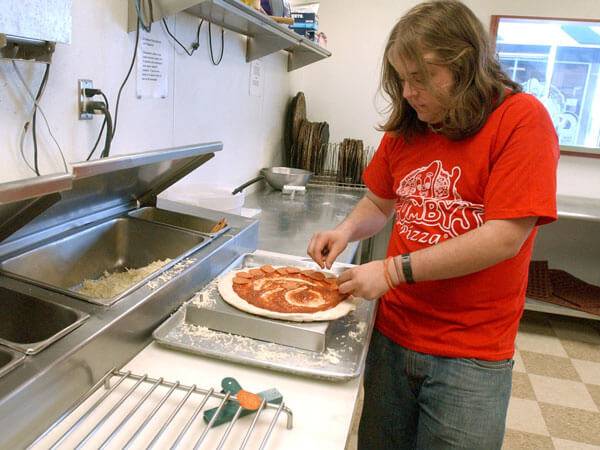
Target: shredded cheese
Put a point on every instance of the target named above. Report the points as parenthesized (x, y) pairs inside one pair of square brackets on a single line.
[(112, 284)]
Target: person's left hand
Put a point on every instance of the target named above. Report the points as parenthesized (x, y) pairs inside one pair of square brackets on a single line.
[(367, 280)]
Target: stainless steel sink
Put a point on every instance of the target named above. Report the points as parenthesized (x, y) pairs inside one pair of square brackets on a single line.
[(113, 246), (179, 220), (29, 324), (9, 359)]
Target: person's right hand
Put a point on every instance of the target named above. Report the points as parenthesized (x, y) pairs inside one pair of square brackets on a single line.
[(325, 247)]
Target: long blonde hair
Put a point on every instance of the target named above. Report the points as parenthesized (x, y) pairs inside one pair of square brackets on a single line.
[(451, 32)]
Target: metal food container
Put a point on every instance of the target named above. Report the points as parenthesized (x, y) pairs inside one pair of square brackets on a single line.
[(179, 220), (29, 324), (104, 224), (9, 360), (113, 246)]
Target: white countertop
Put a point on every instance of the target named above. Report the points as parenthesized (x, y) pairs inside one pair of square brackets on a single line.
[(322, 410)]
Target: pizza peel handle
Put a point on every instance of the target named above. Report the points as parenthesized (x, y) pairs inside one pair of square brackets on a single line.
[(230, 384), (230, 408), (247, 400)]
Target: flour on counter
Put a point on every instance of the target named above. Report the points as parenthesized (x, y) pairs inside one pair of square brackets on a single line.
[(358, 334), (242, 346), (170, 273), (207, 297)]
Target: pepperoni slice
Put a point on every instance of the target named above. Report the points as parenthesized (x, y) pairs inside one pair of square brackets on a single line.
[(256, 272), (282, 271), (293, 270), (238, 280), (317, 275), (243, 275), (267, 269)]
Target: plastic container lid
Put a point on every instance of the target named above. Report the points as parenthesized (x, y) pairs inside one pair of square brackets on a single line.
[(206, 196)]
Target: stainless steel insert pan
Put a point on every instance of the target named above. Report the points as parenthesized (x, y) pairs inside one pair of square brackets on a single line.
[(29, 324), (112, 246)]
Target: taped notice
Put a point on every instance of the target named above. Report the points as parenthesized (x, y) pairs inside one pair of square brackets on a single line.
[(152, 68)]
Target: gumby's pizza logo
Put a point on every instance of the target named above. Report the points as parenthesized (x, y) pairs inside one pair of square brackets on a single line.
[(430, 209)]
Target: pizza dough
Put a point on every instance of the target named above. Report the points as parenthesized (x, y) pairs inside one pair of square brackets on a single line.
[(225, 285)]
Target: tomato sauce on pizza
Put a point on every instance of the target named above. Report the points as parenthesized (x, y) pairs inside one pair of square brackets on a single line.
[(288, 289)]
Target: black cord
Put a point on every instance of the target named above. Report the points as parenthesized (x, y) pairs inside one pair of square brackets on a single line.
[(148, 27), (194, 45), (109, 133), (101, 128), (38, 96), (212, 56), (137, 38)]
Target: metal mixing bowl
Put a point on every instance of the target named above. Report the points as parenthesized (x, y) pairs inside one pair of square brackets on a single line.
[(278, 177)]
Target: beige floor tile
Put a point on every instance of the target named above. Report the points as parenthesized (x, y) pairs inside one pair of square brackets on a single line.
[(538, 323), (521, 386), (594, 391), (581, 350), (589, 371), (525, 415), (520, 440), (549, 365), (562, 392), (574, 329), (518, 367), (572, 424), (541, 343), (564, 444)]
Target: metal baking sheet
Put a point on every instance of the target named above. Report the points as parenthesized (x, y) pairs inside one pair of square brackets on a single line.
[(342, 358)]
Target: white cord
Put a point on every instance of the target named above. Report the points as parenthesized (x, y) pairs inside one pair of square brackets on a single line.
[(21, 144), (42, 113)]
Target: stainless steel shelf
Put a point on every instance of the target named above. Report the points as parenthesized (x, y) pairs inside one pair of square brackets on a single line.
[(537, 305), (581, 208), (265, 36)]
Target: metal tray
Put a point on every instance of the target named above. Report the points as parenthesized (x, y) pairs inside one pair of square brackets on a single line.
[(346, 344), (178, 220), (63, 264), (29, 324), (9, 359)]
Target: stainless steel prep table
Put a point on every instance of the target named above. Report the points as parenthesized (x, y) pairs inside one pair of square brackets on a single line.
[(287, 223)]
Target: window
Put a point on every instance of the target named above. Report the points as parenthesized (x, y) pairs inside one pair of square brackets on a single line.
[(558, 61)]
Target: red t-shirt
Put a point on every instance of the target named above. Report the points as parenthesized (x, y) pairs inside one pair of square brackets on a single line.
[(444, 188)]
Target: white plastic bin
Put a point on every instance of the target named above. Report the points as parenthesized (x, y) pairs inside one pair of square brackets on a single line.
[(205, 196)]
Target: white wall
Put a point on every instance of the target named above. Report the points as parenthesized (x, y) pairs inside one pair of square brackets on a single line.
[(204, 102), (342, 89), (207, 103)]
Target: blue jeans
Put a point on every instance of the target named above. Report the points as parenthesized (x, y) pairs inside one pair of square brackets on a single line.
[(418, 401)]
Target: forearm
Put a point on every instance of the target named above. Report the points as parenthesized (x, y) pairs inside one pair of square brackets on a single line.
[(366, 220), (471, 252)]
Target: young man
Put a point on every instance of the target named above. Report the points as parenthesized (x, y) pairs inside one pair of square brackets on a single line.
[(468, 166)]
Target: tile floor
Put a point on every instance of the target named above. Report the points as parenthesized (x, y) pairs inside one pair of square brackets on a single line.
[(555, 402)]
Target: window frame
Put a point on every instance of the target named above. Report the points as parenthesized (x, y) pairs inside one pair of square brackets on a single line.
[(569, 150)]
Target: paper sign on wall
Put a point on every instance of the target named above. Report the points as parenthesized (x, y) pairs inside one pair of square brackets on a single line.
[(256, 78), (152, 64)]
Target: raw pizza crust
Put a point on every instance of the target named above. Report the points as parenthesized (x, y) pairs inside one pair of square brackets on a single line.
[(225, 285)]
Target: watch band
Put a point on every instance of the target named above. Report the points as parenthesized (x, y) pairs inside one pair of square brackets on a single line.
[(407, 269)]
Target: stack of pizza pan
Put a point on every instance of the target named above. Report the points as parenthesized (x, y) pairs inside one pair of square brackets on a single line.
[(305, 141)]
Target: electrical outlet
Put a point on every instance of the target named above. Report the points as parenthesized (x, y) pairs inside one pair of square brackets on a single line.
[(81, 85)]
